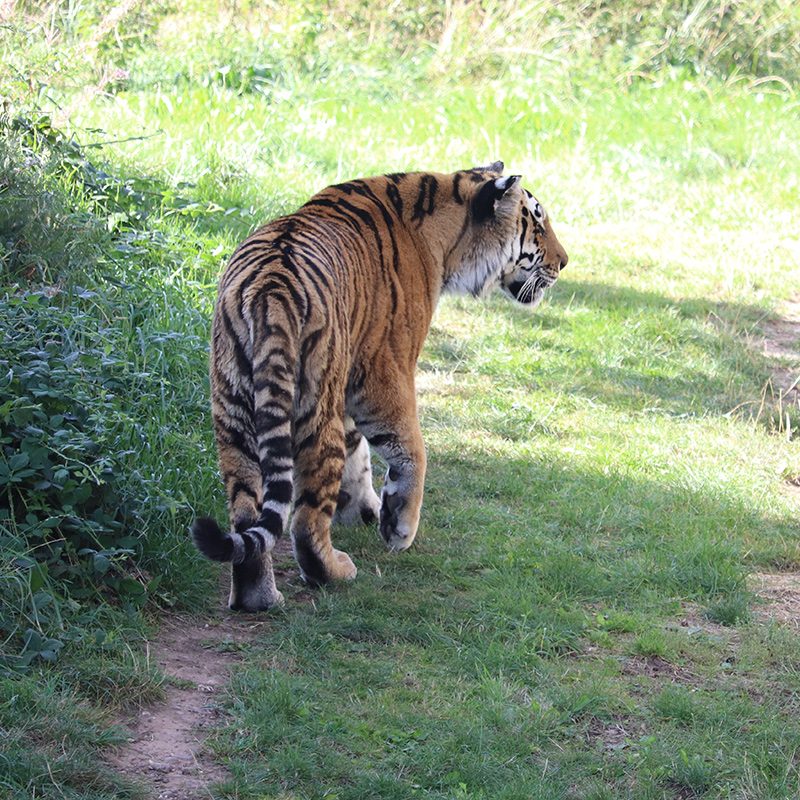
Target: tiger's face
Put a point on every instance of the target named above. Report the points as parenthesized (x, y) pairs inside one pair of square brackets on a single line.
[(511, 243), (537, 255)]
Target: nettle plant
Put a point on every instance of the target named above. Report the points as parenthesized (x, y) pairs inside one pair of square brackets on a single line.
[(64, 520), (75, 381)]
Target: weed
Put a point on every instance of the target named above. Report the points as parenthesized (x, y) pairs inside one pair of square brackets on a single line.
[(675, 702), (654, 643), (730, 610)]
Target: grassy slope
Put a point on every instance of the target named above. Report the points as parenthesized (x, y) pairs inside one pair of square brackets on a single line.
[(598, 471)]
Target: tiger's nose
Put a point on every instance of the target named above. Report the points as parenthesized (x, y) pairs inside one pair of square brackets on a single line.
[(564, 259)]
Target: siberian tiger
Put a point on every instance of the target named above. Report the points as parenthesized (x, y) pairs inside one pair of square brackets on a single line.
[(318, 324)]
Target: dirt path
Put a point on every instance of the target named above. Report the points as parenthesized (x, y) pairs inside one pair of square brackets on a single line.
[(166, 750), (782, 342)]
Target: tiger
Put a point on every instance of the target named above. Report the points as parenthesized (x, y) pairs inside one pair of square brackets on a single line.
[(318, 324)]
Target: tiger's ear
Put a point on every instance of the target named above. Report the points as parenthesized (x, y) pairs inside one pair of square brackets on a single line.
[(490, 194), (497, 166)]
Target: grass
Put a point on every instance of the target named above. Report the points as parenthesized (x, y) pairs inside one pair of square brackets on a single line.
[(574, 619)]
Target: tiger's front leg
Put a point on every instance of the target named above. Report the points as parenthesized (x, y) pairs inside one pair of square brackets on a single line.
[(393, 430)]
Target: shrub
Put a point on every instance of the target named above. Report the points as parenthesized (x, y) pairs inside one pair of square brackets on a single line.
[(84, 382)]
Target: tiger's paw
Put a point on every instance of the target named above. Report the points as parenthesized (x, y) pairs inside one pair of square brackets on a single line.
[(370, 509), (253, 586), (343, 568), (337, 566), (395, 530), (254, 601)]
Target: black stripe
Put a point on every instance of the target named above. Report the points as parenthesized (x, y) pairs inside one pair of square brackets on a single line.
[(277, 447), (243, 364), (263, 382), (309, 343), (360, 188), (305, 443), (312, 277), (394, 196), (383, 440), (369, 221), (280, 491), (233, 396), (278, 280), (334, 205), (310, 562), (235, 438), (328, 509), (271, 520), (241, 488), (308, 498), (249, 546), (244, 285), (425, 199), (464, 226), (267, 420), (352, 440)]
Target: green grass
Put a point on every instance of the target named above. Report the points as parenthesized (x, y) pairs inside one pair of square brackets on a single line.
[(599, 471)]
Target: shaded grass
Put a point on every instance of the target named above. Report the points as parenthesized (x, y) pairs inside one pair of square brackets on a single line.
[(51, 739), (475, 664)]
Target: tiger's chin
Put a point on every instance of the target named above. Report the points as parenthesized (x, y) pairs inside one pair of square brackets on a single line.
[(528, 299)]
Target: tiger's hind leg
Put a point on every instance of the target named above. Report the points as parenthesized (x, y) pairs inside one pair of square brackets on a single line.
[(252, 579), (253, 585), (252, 433), (319, 464), (357, 501)]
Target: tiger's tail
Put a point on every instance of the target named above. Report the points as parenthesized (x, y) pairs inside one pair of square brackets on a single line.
[(270, 402)]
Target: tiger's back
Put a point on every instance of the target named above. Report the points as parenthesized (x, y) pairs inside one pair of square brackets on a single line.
[(319, 322)]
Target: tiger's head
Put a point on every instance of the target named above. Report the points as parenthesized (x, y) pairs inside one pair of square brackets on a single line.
[(537, 257), (513, 244)]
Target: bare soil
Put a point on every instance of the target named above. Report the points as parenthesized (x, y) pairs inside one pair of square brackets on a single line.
[(782, 342), (614, 734), (693, 622), (658, 668), (781, 595), (166, 750)]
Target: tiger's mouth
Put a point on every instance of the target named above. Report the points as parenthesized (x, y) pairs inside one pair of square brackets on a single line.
[(530, 291)]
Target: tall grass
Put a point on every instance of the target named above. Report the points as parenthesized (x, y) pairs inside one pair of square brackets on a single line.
[(266, 47)]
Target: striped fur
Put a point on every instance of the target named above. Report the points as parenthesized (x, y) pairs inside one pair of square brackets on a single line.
[(319, 321)]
